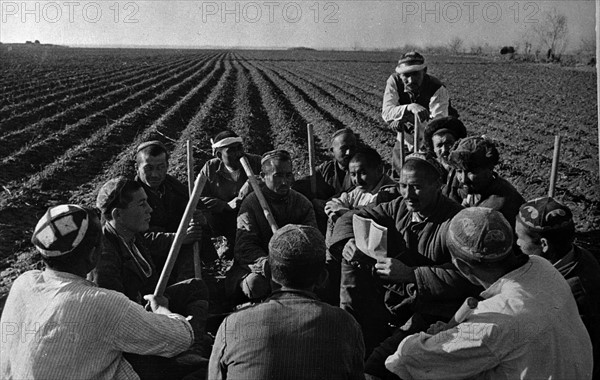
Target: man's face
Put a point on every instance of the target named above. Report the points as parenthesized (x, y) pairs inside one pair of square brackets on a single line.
[(343, 148), (152, 170), (230, 155), (363, 175), (413, 80), (475, 180), (418, 190), (442, 143), (279, 177), (528, 243), (136, 216)]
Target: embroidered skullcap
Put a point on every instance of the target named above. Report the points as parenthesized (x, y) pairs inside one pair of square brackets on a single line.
[(279, 154), (60, 230), (147, 144), (479, 234), (297, 245), (545, 214), (109, 193), (473, 152), (427, 158), (448, 124), (342, 131), (411, 61)]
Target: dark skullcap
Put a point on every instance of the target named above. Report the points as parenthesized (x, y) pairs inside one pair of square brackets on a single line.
[(109, 193), (343, 131), (427, 158), (448, 124), (479, 234), (296, 245), (279, 154), (474, 152), (60, 230), (410, 62), (146, 144), (545, 214)]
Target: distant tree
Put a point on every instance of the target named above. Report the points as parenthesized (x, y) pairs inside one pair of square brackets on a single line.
[(37, 42), (456, 45), (28, 42), (552, 32)]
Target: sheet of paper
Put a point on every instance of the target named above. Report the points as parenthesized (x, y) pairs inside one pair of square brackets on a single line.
[(371, 238)]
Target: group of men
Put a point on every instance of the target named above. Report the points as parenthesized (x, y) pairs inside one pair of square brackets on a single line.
[(455, 229)]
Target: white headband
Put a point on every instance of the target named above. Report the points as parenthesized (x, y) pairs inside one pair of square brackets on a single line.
[(223, 143)]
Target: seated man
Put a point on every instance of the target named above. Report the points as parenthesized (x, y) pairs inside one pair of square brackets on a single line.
[(168, 198), (247, 278), (57, 325), (416, 275), (226, 184), (545, 228), (366, 171), (332, 176), (127, 259), (439, 137), (526, 327), (292, 334), (477, 184)]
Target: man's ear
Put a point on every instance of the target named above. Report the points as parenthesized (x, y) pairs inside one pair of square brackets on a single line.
[(262, 175), (322, 279), (462, 267), (544, 244), (115, 213)]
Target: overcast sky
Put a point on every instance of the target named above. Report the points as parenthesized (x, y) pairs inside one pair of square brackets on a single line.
[(317, 24)]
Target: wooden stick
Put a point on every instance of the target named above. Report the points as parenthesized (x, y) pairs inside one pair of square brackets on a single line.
[(311, 159), (401, 139), (416, 139), (463, 312), (180, 235), (190, 171), (555, 160), (259, 194)]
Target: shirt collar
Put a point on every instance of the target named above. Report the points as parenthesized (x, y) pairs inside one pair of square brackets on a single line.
[(66, 276)]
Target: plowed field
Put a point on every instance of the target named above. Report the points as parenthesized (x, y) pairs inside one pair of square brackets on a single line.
[(70, 118)]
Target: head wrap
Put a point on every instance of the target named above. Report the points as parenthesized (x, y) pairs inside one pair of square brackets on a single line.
[(473, 152), (545, 214), (224, 142), (411, 61), (60, 230), (297, 245), (479, 234), (277, 153), (109, 193)]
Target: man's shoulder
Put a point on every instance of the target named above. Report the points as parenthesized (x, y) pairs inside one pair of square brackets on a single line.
[(434, 81), (299, 198), (447, 208), (173, 184), (327, 167)]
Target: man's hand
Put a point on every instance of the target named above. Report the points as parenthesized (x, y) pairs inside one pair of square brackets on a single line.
[(334, 210), (259, 265), (351, 252), (158, 304), (214, 204), (394, 270), (418, 109), (235, 203), (437, 327), (193, 233)]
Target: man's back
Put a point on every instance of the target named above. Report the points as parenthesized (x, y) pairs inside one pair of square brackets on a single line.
[(64, 327), (292, 335)]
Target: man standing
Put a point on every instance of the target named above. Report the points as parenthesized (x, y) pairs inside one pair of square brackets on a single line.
[(411, 91), (168, 199), (545, 228), (247, 278), (292, 334), (526, 327), (57, 325)]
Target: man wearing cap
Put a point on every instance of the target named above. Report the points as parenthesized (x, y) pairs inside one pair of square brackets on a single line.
[(417, 275), (526, 327), (476, 183), (247, 278), (226, 183), (58, 325), (545, 228), (128, 256), (292, 334), (410, 91), (168, 198), (440, 136)]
